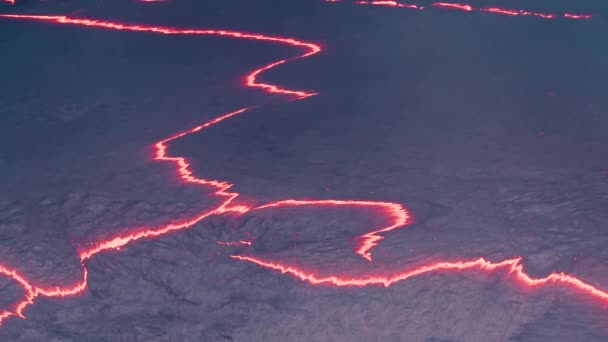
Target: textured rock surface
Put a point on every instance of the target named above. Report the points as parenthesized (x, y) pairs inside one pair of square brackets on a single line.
[(490, 130)]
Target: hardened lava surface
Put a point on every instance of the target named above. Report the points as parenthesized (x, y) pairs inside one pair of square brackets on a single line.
[(353, 255)]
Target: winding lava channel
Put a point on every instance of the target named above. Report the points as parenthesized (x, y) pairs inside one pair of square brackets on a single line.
[(395, 212)]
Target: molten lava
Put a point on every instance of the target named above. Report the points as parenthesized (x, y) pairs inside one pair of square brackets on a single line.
[(469, 8), (182, 166), (396, 213)]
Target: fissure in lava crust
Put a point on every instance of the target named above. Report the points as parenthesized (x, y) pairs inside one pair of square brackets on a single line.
[(395, 212)]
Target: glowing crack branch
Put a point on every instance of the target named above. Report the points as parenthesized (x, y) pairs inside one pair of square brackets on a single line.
[(396, 214), (512, 266), (32, 291), (468, 8)]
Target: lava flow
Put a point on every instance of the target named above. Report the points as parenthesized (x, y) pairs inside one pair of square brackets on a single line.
[(183, 167), (396, 213), (468, 8)]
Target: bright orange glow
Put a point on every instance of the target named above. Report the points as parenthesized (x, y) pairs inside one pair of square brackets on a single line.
[(385, 3), (235, 243), (181, 164), (398, 216), (467, 8), (512, 266), (577, 16), (470, 8), (396, 212)]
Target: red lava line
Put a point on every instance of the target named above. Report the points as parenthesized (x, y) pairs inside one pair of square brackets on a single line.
[(444, 5), (395, 212), (470, 8), (182, 165), (235, 243), (512, 266)]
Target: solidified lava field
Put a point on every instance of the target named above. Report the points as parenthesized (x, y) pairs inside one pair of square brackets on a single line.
[(303, 171)]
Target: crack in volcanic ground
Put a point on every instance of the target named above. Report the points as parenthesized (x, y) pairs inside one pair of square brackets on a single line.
[(395, 212), (467, 8)]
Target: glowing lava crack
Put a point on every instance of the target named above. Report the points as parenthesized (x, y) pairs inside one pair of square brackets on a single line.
[(468, 8), (395, 212)]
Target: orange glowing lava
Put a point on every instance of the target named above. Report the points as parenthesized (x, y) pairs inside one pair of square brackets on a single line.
[(468, 8), (512, 266), (396, 213), (235, 243), (181, 164)]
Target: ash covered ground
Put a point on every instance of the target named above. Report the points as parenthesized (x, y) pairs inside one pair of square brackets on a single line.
[(491, 130)]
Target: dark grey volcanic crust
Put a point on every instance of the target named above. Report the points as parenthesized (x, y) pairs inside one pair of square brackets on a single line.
[(491, 130)]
